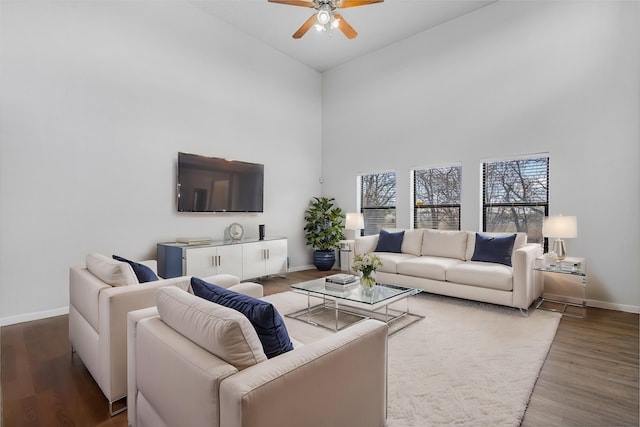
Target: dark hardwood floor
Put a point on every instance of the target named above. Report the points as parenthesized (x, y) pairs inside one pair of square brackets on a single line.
[(590, 377)]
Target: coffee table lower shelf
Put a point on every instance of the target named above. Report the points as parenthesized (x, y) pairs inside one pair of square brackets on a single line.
[(330, 314)]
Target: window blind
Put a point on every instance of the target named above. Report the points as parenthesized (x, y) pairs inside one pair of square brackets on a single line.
[(516, 196), (436, 198), (378, 201)]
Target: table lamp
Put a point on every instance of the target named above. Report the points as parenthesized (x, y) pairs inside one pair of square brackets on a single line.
[(560, 227), (354, 221)]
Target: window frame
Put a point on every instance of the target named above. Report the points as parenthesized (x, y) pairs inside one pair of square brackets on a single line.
[(415, 207), (363, 209), (533, 204)]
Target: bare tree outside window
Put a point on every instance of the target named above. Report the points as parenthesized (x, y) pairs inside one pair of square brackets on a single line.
[(516, 196), (437, 198), (378, 201)]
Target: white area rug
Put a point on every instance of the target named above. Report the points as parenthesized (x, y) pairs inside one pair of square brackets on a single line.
[(465, 363)]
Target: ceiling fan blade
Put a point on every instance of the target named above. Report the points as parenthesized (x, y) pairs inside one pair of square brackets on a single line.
[(353, 3), (294, 2), (345, 27), (305, 27)]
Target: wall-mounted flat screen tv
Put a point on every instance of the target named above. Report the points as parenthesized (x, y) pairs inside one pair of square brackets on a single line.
[(212, 184)]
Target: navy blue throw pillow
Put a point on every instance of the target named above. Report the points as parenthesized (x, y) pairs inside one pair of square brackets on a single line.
[(263, 315), (494, 249), (390, 242), (142, 272)]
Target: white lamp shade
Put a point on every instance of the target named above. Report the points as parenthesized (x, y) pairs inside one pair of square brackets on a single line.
[(561, 227), (354, 221)]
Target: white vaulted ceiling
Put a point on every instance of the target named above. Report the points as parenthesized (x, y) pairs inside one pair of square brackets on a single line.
[(378, 25)]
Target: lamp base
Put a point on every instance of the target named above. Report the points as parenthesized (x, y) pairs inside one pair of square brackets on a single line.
[(559, 248)]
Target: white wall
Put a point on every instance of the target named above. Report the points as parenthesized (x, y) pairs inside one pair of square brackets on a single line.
[(510, 79), (97, 100)]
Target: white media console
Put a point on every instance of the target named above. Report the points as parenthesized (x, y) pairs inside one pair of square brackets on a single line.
[(246, 259)]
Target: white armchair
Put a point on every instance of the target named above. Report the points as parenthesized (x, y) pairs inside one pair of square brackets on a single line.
[(100, 296), (176, 380)]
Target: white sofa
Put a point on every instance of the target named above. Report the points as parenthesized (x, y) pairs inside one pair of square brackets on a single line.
[(100, 296), (439, 262), (194, 363)]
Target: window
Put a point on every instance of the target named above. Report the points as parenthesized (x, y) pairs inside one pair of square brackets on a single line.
[(436, 198), (378, 201), (516, 196)]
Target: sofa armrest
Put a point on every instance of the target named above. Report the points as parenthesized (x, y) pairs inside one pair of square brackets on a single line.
[(222, 280), (233, 283), (84, 289), (132, 321), (365, 244), (525, 288), (114, 304), (249, 288), (338, 380), (176, 381)]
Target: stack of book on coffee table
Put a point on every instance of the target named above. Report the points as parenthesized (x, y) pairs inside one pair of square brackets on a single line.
[(341, 282)]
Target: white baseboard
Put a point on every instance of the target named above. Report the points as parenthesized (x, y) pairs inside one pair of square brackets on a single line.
[(595, 303), (612, 306), (302, 267), (28, 317)]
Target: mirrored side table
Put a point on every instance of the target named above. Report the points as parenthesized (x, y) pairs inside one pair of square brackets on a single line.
[(346, 249), (569, 266)]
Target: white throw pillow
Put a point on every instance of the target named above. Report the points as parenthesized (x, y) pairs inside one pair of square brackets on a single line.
[(110, 271), (444, 243), (222, 331)]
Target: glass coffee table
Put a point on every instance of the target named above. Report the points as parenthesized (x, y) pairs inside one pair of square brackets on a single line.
[(338, 309)]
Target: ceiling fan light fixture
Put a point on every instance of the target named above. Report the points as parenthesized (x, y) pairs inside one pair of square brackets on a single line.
[(335, 23), (324, 15)]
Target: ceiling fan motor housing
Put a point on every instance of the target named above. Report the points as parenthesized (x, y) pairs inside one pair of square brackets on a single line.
[(330, 3)]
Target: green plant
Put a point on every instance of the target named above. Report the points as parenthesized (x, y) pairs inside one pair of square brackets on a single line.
[(324, 224)]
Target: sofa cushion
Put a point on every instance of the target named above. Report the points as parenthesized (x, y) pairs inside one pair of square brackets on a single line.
[(521, 240), (444, 243), (110, 271), (412, 242), (391, 260), (220, 330), (496, 249), (365, 244), (264, 317), (143, 273), (427, 267), (390, 241), (481, 274)]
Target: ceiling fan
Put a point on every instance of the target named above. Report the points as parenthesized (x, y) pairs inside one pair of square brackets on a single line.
[(326, 18)]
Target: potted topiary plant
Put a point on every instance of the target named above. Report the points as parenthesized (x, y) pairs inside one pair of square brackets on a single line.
[(324, 230)]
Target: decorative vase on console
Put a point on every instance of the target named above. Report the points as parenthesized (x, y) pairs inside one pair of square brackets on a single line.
[(367, 264)]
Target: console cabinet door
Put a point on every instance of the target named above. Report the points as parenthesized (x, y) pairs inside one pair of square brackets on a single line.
[(253, 260), (200, 262), (276, 261), (264, 258), (230, 260)]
